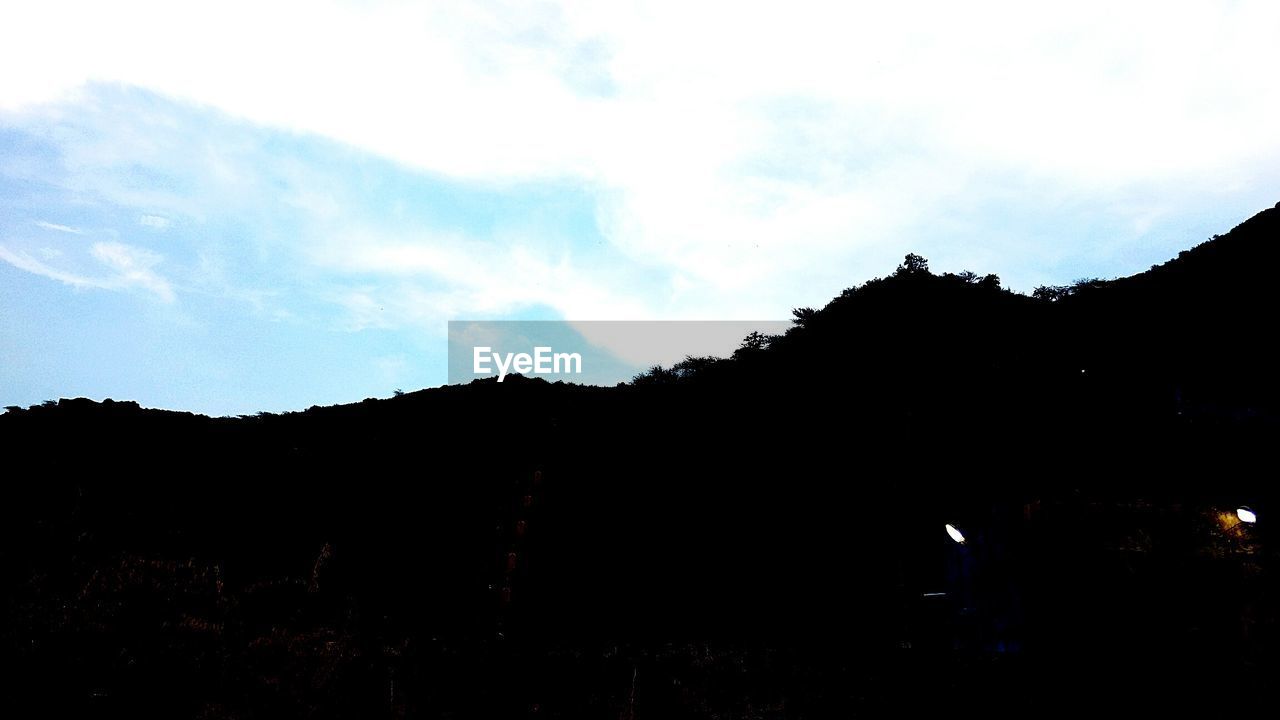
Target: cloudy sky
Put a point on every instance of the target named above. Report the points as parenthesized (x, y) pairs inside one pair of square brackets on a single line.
[(239, 206)]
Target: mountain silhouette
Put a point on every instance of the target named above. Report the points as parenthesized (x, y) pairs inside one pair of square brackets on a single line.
[(753, 536)]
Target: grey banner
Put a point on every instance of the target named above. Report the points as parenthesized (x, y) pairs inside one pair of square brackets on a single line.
[(592, 352)]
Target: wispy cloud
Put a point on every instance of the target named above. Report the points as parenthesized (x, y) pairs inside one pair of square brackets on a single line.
[(24, 261), (431, 278), (155, 222), (59, 228), (130, 267), (133, 267)]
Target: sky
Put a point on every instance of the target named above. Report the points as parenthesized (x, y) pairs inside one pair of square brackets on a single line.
[(238, 206)]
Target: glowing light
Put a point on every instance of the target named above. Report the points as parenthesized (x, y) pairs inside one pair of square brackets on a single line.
[(955, 534), (1246, 515)]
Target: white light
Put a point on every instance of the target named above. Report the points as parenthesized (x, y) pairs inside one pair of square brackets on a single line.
[(955, 534), (1246, 515)]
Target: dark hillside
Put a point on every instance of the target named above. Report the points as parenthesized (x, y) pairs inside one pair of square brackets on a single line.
[(758, 536)]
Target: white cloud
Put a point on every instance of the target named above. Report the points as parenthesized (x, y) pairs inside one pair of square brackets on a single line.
[(131, 267), (155, 222), (24, 261), (428, 280), (739, 146), (59, 228)]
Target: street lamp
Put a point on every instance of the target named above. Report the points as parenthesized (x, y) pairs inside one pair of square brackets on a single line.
[(1246, 515), (955, 534)]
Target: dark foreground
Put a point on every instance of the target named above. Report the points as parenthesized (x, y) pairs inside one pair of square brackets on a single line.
[(584, 578)]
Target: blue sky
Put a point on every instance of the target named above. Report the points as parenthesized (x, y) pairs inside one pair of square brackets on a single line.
[(235, 207)]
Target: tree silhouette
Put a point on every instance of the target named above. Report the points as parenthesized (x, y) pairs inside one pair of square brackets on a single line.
[(913, 264), (803, 315)]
